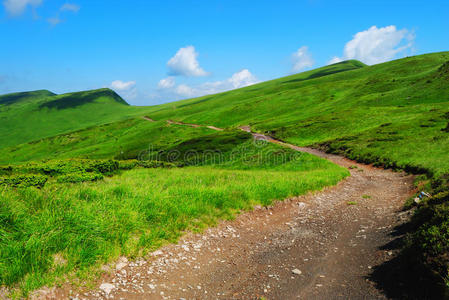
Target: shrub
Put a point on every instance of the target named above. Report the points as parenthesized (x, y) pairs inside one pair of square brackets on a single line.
[(156, 164), (24, 181), (80, 177), (127, 164), (103, 166), (5, 170)]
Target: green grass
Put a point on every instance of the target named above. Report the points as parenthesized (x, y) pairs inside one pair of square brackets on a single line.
[(123, 139), (87, 224)]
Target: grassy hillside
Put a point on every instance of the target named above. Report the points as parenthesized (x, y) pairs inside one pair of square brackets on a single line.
[(29, 116), (394, 114), (380, 113), (401, 102)]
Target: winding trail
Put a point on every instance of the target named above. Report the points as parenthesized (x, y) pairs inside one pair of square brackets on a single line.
[(323, 245)]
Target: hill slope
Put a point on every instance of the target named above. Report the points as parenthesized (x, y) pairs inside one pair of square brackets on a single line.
[(28, 116), (381, 113)]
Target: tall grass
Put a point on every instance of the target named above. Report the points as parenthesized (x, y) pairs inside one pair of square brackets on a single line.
[(65, 228)]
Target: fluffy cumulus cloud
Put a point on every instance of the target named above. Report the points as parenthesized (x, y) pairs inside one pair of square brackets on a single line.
[(119, 85), (17, 7), (377, 45), (166, 83), (126, 89), (185, 63), (302, 59), (237, 80)]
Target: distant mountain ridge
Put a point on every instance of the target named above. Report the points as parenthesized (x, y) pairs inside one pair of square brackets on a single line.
[(13, 98), (28, 116)]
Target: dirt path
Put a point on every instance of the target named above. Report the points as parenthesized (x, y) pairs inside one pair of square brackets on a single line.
[(318, 246), (148, 119)]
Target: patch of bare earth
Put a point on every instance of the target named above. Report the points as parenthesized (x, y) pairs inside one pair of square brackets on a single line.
[(322, 245)]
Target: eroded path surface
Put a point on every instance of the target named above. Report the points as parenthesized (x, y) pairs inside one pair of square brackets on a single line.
[(318, 246)]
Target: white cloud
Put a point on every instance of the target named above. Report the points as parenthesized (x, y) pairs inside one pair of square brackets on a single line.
[(70, 7), (126, 89), (377, 45), (166, 83), (242, 79), (185, 63), (119, 85), (17, 7), (186, 91), (302, 59), (237, 80), (66, 7)]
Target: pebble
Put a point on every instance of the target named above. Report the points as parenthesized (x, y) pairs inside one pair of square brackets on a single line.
[(107, 287), (296, 271)]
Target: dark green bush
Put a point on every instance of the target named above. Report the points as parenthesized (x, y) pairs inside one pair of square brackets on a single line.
[(79, 177), (127, 164), (5, 170), (102, 166), (156, 164), (24, 181), (60, 167)]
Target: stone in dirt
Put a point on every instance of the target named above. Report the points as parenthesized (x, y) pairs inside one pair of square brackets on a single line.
[(122, 262), (107, 287), (296, 271)]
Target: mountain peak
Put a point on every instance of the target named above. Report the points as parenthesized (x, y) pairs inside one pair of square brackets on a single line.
[(13, 98), (72, 100)]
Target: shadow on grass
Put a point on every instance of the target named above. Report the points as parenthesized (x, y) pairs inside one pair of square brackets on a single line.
[(403, 277)]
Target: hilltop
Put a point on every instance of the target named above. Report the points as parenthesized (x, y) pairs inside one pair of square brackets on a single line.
[(33, 115)]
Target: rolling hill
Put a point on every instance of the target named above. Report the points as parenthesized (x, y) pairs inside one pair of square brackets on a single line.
[(375, 113), (29, 116)]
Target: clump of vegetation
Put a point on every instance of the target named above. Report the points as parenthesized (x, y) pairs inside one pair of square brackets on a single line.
[(23, 181), (80, 177), (351, 203), (157, 164), (70, 171), (443, 71)]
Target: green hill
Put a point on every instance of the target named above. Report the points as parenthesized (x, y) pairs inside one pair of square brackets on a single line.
[(10, 99), (29, 116), (377, 113)]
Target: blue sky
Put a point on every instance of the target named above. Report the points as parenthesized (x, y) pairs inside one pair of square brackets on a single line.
[(157, 51)]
